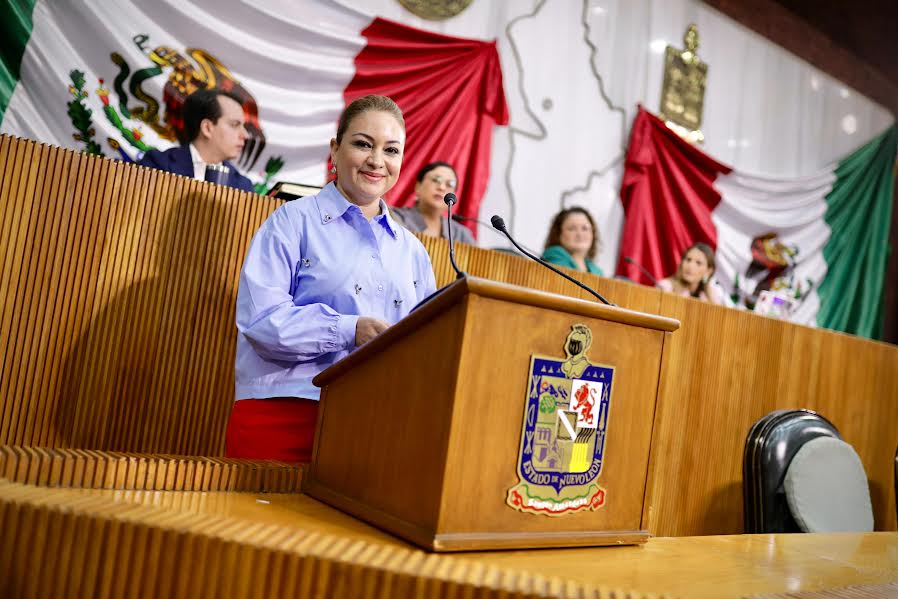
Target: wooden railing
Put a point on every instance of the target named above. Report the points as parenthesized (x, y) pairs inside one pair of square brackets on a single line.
[(117, 333)]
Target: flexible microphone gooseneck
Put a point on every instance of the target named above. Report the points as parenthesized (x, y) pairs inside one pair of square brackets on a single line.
[(450, 200), (499, 224), (630, 260), (470, 219)]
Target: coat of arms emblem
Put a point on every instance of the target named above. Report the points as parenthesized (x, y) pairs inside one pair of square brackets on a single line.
[(563, 435)]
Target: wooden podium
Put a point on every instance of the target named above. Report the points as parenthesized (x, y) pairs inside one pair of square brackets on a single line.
[(424, 431)]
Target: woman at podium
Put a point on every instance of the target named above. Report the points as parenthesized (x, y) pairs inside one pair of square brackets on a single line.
[(322, 276)]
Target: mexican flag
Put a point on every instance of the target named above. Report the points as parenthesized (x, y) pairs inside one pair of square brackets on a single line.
[(820, 241), (111, 78)]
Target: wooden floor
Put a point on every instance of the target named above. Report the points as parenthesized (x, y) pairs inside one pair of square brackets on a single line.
[(715, 566)]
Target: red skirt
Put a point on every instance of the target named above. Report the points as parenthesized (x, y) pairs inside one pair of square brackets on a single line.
[(277, 428)]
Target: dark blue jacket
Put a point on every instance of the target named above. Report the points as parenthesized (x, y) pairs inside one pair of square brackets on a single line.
[(178, 160)]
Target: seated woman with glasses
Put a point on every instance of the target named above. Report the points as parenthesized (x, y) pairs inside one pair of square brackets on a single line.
[(573, 241), (428, 215)]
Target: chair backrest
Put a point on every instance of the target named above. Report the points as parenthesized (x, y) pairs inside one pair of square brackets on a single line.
[(827, 489), (770, 446), (896, 481)]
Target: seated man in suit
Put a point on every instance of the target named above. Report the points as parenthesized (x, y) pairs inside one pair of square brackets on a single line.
[(213, 122)]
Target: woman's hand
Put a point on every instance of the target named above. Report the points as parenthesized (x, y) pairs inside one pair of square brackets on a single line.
[(367, 328)]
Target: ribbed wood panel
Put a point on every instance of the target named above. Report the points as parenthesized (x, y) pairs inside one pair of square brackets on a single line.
[(723, 370), (117, 293), (93, 469), (64, 543), (117, 302)]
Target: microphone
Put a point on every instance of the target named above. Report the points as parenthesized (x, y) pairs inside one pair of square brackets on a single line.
[(464, 219), (499, 224), (630, 260), (450, 200)]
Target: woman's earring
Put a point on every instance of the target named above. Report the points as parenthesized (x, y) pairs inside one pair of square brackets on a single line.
[(333, 170)]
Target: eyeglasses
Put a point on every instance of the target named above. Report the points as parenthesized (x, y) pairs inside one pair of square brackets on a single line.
[(438, 180)]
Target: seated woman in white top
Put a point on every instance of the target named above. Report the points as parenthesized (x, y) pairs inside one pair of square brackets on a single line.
[(693, 276)]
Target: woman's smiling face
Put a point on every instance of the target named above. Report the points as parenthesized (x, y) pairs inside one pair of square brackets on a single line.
[(369, 157)]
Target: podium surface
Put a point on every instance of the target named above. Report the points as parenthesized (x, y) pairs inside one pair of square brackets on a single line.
[(428, 431)]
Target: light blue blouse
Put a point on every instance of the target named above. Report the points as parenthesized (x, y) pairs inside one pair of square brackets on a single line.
[(312, 269)]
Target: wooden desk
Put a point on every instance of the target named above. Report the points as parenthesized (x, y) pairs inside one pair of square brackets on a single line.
[(117, 294), (709, 566)]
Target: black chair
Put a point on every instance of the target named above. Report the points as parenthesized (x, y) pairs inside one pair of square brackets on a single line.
[(770, 446)]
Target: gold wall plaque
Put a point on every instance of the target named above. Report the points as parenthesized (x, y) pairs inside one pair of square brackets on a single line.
[(683, 90), (435, 10)]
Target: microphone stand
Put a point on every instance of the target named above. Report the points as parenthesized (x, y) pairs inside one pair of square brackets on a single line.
[(499, 224), (450, 199), (648, 275), (463, 219)]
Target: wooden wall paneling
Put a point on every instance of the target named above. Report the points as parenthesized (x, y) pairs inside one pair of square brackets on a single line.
[(187, 226), (67, 315), (210, 309), (176, 334), (854, 375), (178, 299), (114, 381), (719, 374), (57, 326), (9, 280), (85, 289), (203, 282), (38, 367), (158, 242), (85, 406), (23, 330)]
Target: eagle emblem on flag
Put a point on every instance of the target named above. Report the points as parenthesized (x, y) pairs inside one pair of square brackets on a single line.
[(137, 120), (563, 434)]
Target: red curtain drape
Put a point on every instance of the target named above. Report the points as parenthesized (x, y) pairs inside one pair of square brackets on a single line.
[(450, 91), (668, 196)]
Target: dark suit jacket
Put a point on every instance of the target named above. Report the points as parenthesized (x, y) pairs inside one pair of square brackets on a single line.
[(178, 160)]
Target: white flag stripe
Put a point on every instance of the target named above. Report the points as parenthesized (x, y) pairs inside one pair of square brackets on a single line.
[(295, 59), (794, 209)]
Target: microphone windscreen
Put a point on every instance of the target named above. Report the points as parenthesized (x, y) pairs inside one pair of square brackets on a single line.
[(450, 199), (498, 223)]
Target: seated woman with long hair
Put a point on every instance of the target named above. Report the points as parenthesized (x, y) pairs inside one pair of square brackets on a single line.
[(694, 276), (573, 241)]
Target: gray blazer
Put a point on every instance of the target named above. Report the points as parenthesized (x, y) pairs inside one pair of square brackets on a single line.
[(412, 220)]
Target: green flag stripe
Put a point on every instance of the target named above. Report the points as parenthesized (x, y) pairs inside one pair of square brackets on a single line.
[(15, 30), (859, 211)]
